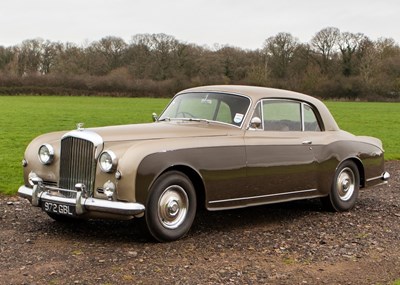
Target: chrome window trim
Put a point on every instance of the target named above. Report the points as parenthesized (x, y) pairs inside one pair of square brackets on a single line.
[(302, 104)]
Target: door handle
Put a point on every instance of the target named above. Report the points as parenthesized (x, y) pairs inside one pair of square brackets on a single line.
[(307, 142)]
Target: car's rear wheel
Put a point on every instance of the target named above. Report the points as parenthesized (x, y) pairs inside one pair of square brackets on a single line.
[(345, 188), (171, 206)]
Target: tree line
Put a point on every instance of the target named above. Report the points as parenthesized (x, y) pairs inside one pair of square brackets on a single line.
[(333, 64)]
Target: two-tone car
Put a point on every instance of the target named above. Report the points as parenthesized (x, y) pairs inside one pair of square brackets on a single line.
[(213, 147)]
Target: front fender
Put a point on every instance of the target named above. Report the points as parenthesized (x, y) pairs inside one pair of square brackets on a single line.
[(142, 163), (154, 165)]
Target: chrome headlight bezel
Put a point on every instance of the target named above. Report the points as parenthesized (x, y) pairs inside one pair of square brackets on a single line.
[(108, 161), (46, 154)]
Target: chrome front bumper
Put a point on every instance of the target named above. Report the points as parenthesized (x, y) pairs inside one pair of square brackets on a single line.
[(40, 193)]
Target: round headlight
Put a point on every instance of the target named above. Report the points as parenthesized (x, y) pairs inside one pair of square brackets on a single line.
[(108, 161), (46, 154)]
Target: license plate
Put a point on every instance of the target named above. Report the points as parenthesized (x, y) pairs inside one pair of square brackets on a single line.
[(60, 209)]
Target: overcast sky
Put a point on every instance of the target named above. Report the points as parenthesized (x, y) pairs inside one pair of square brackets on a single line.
[(241, 23)]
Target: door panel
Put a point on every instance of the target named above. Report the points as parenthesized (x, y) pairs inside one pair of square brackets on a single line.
[(279, 163), (280, 160)]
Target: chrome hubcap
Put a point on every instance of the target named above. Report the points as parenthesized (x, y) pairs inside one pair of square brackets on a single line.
[(172, 207), (345, 184)]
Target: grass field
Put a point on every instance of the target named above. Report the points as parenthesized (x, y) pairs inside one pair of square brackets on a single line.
[(25, 117), (381, 120)]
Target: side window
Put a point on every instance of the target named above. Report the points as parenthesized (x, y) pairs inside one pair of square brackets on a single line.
[(281, 115), (285, 115), (310, 120)]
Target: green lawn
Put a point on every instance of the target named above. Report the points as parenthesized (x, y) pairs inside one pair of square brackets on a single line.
[(25, 117), (381, 120)]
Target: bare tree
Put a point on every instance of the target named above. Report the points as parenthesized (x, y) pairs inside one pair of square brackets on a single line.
[(107, 54), (387, 47), (138, 56), (157, 51), (29, 57), (70, 60), (369, 63), (49, 52), (210, 68), (324, 45), (279, 52), (349, 45), (6, 56), (235, 62), (164, 51), (332, 64), (388, 67)]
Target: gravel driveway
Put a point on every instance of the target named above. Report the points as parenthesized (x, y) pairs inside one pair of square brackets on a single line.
[(290, 243)]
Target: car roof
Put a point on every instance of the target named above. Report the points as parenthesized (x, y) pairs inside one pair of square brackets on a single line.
[(256, 93)]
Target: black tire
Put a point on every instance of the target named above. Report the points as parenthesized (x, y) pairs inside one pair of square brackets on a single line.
[(171, 207), (345, 188)]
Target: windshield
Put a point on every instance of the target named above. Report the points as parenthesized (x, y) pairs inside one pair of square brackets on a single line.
[(220, 107)]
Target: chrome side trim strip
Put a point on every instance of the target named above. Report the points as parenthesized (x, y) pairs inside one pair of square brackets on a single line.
[(261, 196)]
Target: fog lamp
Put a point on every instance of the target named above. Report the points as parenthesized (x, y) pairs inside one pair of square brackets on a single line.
[(109, 189), (32, 175)]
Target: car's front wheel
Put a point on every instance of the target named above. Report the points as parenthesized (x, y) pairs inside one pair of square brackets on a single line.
[(345, 188), (171, 206)]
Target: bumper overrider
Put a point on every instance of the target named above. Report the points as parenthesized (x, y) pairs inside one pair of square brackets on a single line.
[(82, 204), (379, 180)]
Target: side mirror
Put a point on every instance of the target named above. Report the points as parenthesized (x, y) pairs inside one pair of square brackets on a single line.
[(155, 117), (255, 123)]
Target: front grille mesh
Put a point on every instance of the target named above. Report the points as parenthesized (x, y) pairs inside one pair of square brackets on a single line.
[(77, 163)]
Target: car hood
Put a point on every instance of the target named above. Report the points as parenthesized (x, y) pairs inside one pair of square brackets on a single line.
[(161, 130)]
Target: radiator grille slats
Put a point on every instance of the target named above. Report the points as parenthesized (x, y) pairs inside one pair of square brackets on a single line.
[(77, 163)]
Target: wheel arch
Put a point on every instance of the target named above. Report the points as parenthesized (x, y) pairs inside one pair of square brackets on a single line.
[(337, 201), (156, 164), (360, 168)]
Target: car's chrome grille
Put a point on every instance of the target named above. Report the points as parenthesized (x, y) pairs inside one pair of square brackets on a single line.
[(77, 163)]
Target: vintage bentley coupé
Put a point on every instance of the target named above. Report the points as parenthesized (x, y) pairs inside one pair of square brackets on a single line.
[(218, 147)]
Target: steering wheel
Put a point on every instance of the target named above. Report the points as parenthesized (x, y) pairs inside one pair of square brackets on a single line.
[(186, 115)]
